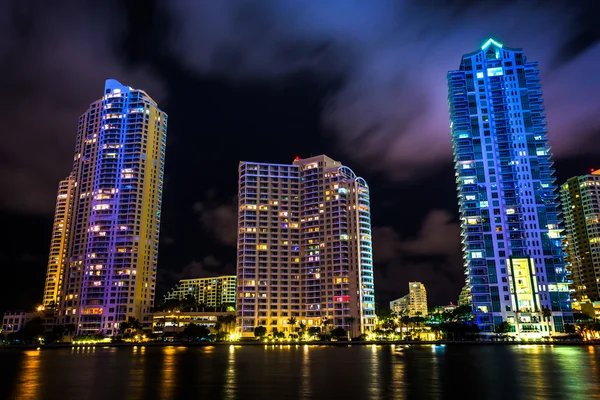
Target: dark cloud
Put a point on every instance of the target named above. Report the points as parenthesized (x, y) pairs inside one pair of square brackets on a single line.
[(207, 267), (55, 57), (167, 240), (393, 56), (432, 257), (439, 235), (219, 220), (398, 52)]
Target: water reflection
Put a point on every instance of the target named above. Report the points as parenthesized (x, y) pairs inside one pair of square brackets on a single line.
[(230, 388), (169, 368), (28, 385), (305, 391), (302, 371), (374, 385), (397, 385)]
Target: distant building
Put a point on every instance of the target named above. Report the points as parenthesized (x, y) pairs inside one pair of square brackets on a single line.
[(104, 246), (464, 297), (580, 197), (14, 321), (415, 302), (172, 323), (592, 309), (509, 211), (304, 246), (214, 292), (401, 304)]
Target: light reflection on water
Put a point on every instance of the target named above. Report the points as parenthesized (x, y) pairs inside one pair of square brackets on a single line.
[(28, 385), (169, 370), (302, 371)]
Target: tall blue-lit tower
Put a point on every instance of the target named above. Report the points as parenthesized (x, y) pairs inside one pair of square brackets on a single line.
[(507, 195)]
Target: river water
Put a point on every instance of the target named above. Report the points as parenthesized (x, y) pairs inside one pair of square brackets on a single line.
[(302, 372)]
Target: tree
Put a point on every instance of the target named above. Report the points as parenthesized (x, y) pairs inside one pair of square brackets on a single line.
[(502, 328), (569, 328), (292, 322), (314, 331), (70, 329), (338, 332), (581, 317), (190, 303), (325, 322), (227, 321), (383, 313), (350, 321), (32, 331), (260, 332), (57, 333), (302, 328), (195, 332), (462, 313), (130, 327)]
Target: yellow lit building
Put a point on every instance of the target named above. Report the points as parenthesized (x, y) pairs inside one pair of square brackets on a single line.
[(102, 266), (59, 241), (212, 292), (580, 197), (304, 247), (168, 323), (415, 302)]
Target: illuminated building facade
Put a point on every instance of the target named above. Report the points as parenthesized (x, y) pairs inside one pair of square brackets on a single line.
[(58, 242), (304, 247), (112, 201), (212, 292), (509, 212), (414, 303), (580, 197)]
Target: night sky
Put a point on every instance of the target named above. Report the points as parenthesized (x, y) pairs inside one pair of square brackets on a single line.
[(361, 81)]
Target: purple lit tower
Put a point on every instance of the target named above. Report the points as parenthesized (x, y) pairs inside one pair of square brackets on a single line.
[(103, 268)]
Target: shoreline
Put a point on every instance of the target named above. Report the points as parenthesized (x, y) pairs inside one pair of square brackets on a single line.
[(315, 343)]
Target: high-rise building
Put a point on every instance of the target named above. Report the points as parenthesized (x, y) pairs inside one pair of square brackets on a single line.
[(214, 292), (58, 242), (304, 247), (509, 211), (104, 247), (580, 197), (415, 302)]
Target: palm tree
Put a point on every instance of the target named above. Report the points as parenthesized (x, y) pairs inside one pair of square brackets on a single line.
[(350, 321), (302, 328), (292, 322), (324, 322)]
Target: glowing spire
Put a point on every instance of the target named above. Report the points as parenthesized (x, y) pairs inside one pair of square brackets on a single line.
[(490, 42)]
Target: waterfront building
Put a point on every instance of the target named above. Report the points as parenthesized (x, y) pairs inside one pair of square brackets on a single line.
[(591, 309), (509, 210), (415, 302), (215, 292), (14, 321), (304, 247), (401, 304), (172, 323), (104, 248), (580, 197)]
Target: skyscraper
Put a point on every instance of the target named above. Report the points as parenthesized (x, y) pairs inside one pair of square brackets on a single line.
[(508, 204), (58, 242), (304, 247), (104, 249), (580, 197)]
